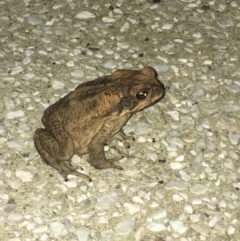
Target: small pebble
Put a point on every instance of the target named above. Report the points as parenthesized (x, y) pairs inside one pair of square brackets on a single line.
[(25, 176), (199, 189), (14, 217), (125, 227), (57, 230), (15, 114), (156, 227), (85, 15), (178, 227), (83, 234)]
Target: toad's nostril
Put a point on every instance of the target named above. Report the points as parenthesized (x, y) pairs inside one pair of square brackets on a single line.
[(167, 88)]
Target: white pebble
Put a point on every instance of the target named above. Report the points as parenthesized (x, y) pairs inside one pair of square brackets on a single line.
[(195, 217), (71, 183), (28, 76), (85, 15), (33, 20), (180, 158), (198, 92), (196, 201), (14, 183), (31, 226), (26, 60), (176, 141), (197, 35), (224, 124), (176, 165), (14, 217), (77, 73), (108, 20), (106, 200), (230, 230), (199, 189), (156, 227), (229, 163), (142, 128), (174, 114), (42, 52), (234, 138), (57, 230), (123, 45), (109, 51), (83, 234), (81, 198), (57, 5), (58, 85), (201, 228), (141, 139), (184, 175), (110, 64), (152, 156), (40, 229), (225, 22), (154, 205), (103, 220), (41, 185), (99, 55), (139, 234), (2, 130), (70, 63), (188, 209), (213, 221), (167, 26), (137, 199), (159, 214), (26, 2), (125, 27), (102, 186), (222, 204), (15, 114), (125, 227), (161, 68), (131, 208), (18, 144), (176, 185), (207, 62), (177, 198), (25, 176), (231, 108), (175, 69), (171, 148), (29, 52), (178, 227)]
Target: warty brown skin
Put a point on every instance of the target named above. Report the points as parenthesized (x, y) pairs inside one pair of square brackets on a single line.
[(93, 115)]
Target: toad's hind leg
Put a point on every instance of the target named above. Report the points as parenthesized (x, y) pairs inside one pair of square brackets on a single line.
[(56, 155)]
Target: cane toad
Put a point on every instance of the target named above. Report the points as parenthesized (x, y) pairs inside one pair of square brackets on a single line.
[(92, 115)]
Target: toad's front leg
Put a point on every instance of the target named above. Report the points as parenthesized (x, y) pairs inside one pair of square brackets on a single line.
[(97, 155), (121, 136)]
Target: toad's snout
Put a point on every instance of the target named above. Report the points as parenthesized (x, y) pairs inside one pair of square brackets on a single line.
[(159, 90)]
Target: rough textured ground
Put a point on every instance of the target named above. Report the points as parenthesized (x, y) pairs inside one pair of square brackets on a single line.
[(181, 176)]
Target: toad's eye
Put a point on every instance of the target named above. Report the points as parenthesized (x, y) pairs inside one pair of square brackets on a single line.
[(141, 95)]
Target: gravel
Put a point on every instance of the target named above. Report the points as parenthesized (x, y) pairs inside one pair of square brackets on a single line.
[(181, 175)]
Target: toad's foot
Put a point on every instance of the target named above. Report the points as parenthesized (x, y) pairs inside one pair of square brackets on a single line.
[(66, 169), (121, 136), (106, 163)]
